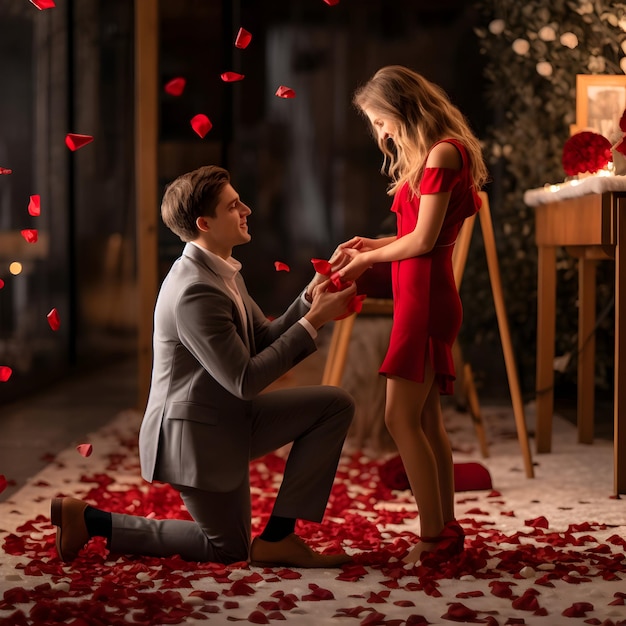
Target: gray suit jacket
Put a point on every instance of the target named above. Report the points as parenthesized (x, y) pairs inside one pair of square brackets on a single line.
[(206, 370)]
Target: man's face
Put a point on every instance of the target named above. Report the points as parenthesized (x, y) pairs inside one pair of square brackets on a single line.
[(229, 227)]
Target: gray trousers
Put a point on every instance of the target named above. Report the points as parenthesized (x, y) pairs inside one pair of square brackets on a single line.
[(315, 419)]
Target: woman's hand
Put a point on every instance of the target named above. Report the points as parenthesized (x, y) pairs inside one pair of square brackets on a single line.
[(358, 262)]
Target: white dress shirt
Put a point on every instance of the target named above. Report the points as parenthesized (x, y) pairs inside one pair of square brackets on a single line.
[(228, 270)]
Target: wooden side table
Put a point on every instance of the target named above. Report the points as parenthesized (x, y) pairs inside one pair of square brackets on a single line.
[(591, 227)]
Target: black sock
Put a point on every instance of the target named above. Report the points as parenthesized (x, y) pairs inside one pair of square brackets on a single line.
[(99, 523), (278, 528)]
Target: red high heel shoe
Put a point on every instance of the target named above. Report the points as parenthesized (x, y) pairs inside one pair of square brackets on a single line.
[(449, 543), (457, 529)]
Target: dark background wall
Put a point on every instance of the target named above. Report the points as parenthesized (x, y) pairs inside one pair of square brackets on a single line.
[(307, 166)]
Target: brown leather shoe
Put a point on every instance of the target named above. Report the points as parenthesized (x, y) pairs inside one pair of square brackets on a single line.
[(68, 514), (292, 552)]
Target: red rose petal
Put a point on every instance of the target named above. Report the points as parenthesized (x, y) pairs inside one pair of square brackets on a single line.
[(285, 92), (243, 38), (231, 77), (3, 485), (318, 593), (53, 319), (239, 588), (176, 86), (5, 373), (538, 522), (469, 594), (527, 601), (578, 609), (42, 5), (373, 619), (281, 267), (5, 171), (1, 283), (322, 266), (337, 281), (331, 3), (458, 612), (30, 235), (288, 574), (34, 206), (74, 141), (258, 617), (85, 449), (201, 124)]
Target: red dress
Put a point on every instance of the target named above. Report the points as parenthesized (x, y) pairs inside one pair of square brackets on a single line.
[(427, 308)]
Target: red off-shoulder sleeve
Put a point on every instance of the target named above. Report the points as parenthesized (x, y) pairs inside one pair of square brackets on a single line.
[(438, 179)]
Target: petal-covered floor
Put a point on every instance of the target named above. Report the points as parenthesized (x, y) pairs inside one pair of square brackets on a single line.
[(549, 550)]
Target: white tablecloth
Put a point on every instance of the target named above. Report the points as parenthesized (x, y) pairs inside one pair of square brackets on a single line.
[(574, 188)]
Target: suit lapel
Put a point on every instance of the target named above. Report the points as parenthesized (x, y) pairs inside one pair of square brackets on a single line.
[(245, 296), (197, 255)]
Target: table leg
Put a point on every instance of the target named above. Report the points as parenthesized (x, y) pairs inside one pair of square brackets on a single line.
[(586, 348), (620, 351), (546, 311)]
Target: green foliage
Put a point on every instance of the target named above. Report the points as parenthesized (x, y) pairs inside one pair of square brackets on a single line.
[(533, 51)]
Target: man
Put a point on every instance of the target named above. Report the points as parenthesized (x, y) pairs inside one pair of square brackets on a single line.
[(214, 352)]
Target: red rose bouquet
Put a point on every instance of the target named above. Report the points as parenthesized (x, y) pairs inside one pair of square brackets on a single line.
[(586, 152)]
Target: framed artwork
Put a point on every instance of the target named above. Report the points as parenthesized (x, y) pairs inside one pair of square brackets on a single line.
[(600, 102)]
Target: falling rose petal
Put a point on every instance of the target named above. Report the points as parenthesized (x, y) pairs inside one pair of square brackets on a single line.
[(42, 5), (1, 283), (281, 267), (322, 266), (53, 319), (243, 38), (285, 92), (201, 124), (331, 3), (84, 449), (5, 373), (4, 171), (176, 86), (34, 206), (75, 141), (231, 77), (3, 484), (30, 235)]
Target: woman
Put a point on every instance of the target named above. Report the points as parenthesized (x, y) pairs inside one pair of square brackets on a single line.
[(436, 168)]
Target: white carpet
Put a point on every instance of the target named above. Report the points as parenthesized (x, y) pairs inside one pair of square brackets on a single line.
[(538, 549)]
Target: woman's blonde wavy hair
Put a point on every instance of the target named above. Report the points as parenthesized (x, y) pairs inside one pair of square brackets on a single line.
[(423, 115)]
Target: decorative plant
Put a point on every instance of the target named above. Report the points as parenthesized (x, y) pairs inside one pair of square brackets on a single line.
[(533, 51)]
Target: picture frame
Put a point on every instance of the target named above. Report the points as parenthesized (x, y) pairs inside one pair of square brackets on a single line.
[(600, 102)]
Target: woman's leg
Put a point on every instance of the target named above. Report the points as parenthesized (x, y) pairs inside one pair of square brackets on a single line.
[(406, 401), (433, 426)]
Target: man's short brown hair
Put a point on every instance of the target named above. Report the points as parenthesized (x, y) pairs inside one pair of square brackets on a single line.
[(191, 196)]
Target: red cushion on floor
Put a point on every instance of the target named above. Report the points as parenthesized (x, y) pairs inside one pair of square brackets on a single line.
[(471, 477), (467, 476)]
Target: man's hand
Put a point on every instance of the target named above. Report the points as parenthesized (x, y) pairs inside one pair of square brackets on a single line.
[(327, 305)]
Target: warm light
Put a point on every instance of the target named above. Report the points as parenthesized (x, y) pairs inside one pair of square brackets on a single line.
[(554, 188), (15, 268)]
